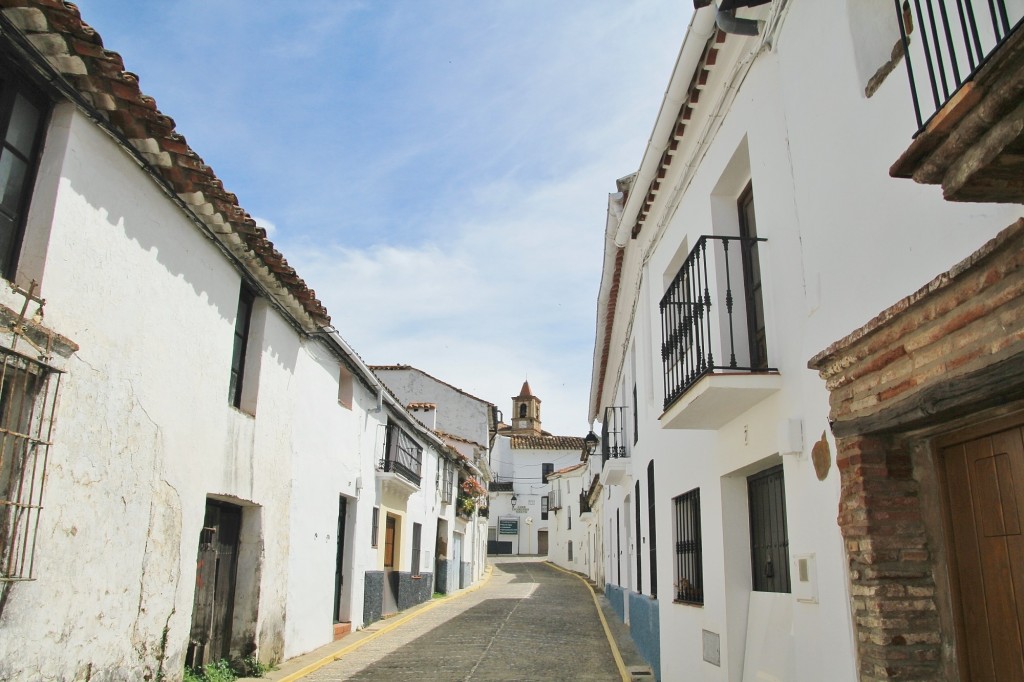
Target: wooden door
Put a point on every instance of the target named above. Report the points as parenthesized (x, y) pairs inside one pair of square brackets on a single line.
[(213, 603), (389, 542), (984, 487), (542, 542)]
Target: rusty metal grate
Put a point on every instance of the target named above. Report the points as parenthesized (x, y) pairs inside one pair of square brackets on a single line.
[(28, 393)]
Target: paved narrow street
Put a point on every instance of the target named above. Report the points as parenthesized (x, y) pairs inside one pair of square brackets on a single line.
[(529, 622)]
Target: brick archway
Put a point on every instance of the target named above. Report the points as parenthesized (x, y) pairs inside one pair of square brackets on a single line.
[(949, 355)]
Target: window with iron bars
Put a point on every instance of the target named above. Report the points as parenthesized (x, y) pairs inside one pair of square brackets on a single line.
[(28, 394), (447, 481), (689, 561)]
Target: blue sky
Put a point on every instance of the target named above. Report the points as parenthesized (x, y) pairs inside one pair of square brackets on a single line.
[(437, 171)]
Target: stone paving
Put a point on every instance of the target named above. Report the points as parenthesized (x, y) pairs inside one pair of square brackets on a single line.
[(529, 622)]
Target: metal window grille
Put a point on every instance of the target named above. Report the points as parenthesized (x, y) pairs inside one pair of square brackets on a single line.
[(769, 535), (652, 541), (544, 508), (957, 37), (417, 529), (447, 482), (376, 527), (402, 455), (689, 559), (28, 395)]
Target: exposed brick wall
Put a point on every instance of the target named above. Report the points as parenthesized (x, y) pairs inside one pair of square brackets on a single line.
[(953, 348), (892, 587), (962, 321)]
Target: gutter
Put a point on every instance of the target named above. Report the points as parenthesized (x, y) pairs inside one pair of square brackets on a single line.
[(700, 29)]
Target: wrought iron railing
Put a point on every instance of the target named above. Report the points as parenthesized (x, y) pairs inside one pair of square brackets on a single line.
[(709, 319), (500, 486), (402, 455), (957, 37), (613, 435), (554, 499)]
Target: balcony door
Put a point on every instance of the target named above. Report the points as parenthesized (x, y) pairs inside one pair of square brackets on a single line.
[(752, 280)]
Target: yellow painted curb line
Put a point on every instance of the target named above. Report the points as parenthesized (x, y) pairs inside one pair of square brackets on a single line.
[(337, 655), (604, 623)]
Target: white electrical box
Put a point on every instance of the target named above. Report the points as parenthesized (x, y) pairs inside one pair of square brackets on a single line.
[(805, 579)]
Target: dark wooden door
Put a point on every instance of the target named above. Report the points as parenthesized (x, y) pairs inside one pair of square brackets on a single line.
[(984, 485), (752, 281), (389, 542), (542, 542), (213, 603), (339, 561)]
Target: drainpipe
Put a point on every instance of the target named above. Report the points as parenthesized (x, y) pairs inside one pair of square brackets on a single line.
[(730, 23)]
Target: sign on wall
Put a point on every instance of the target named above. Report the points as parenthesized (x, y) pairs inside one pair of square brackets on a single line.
[(508, 526)]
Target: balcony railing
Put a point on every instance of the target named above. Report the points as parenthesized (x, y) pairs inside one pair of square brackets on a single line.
[(500, 486), (957, 37), (613, 435), (584, 503), (554, 500), (402, 455), (712, 316)]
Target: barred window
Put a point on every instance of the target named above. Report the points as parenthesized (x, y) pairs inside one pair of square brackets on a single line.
[(376, 527), (689, 562), (447, 481), (28, 392)]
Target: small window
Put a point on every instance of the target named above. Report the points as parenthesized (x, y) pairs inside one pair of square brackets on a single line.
[(417, 529), (653, 540), (568, 515), (689, 560), (545, 470), (22, 125), (636, 418), (246, 298), (769, 536), (376, 527), (544, 508), (570, 550), (522, 410), (345, 387)]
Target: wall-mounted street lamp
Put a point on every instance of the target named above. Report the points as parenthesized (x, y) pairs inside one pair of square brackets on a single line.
[(514, 500)]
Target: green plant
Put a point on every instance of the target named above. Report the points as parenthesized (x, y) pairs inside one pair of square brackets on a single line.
[(217, 671)]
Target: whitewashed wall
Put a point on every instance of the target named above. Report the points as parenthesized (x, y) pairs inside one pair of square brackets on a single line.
[(844, 241)]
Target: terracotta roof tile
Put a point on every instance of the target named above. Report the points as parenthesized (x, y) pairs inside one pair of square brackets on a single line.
[(568, 469), (546, 443), (75, 51)]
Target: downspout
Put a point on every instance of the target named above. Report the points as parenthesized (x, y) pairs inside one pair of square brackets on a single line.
[(730, 23)]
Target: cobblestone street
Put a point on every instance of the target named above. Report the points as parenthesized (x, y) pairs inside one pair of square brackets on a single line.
[(529, 622)]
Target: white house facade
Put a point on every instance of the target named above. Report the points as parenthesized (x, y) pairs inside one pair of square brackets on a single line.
[(522, 457), (221, 469), (761, 226)]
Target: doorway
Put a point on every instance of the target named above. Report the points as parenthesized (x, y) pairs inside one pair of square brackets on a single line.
[(542, 542), (390, 574), (982, 480), (339, 562), (216, 569)]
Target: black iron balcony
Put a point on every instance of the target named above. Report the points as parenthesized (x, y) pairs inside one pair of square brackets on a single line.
[(584, 503), (613, 436), (964, 61), (712, 316), (500, 486), (957, 38), (402, 455)]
